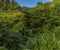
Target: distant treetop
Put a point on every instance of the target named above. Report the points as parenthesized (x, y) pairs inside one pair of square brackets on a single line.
[(56, 1)]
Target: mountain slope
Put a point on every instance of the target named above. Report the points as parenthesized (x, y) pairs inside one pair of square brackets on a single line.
[(9, 5)]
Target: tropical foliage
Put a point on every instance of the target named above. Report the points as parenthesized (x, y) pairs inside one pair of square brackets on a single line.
[(23, 28)]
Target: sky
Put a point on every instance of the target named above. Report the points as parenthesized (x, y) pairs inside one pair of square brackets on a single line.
[(30, 3)]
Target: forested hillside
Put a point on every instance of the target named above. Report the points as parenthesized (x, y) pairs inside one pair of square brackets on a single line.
[(23, 28)]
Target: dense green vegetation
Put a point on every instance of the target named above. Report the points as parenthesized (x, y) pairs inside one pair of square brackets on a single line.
[(23, 28)]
